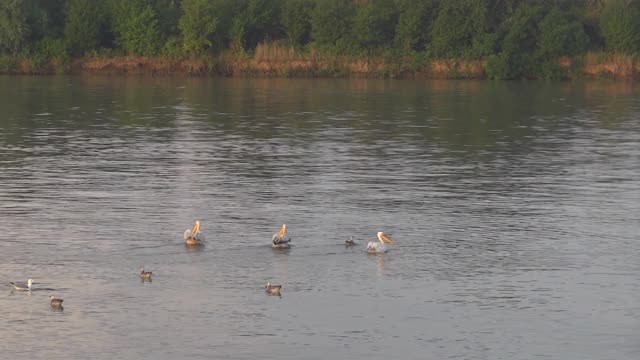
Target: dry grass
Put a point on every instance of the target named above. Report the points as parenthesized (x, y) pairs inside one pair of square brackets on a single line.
[(610, 65)]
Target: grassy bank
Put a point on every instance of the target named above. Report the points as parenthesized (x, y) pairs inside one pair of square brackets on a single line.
[(270, 60)]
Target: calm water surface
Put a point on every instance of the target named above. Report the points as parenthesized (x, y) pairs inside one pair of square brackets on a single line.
[(515, 207)]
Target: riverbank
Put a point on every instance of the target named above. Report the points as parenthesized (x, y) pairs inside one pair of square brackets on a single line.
[(279, 62)]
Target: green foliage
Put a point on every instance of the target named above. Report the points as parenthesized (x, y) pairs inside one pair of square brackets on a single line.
[(414, 21), (517, 38), (168, 13), (50, 48), (331, 23), (13, 26), (197, 25), (82, 26), (460, 30), (620, 24), (559, 34), (374, 25), (7, 64), (135, 24), (255, 21), (295, 18)]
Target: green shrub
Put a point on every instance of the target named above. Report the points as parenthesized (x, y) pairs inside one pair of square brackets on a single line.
[(82, 26), (458, 29), (8, 64), (13, 26), (197, 25), (136, 27), (414, 20), (559, 34), (620, 24), (296, 21), (331, 24)]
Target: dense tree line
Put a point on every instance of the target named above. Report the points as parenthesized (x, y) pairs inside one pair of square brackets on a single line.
[(516, 37)]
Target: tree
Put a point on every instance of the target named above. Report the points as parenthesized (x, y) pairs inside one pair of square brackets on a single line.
[(374, 24), (620, 24), (82, 25), (254, 21), (459, 29), (136, 27), (296, 21), (13, 26), (331, 23), (414, 21), (197, 24), (559, 34)]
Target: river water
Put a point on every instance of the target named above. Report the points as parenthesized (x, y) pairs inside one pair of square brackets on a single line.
[(515, 207)]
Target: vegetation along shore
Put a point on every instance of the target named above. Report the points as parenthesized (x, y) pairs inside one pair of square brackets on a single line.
[(495, 39)]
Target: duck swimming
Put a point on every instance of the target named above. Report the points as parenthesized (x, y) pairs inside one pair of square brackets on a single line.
[(279, 240), (22, 286), (55, 302), (145, 274), (379, 246), (272, 289), (350, 242), (193, 236)]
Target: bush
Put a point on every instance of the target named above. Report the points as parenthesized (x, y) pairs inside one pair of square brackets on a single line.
[(559, 35), (620, 24), (8, 64), (13, 26), (414, 20), (458, 29), (331, 23), (82, 26), (296, 21), (197, 24), (374, 25), (136, 27)]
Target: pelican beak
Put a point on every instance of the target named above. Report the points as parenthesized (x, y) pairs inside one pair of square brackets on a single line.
[(195, 228), (387, 239), (283, 229)]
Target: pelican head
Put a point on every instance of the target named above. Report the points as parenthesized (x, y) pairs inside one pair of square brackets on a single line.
[(283, 229), (29, 283), (384, 238)]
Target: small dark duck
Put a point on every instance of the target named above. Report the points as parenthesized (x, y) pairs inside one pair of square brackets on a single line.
[(145, 274), (272, 289), (56, 302), (350, 242)]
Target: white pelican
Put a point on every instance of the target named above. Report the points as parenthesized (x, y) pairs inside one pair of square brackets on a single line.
[(56, 302), (379, 247), (193, 236), (279, 240), (22, 286), (272, 289)]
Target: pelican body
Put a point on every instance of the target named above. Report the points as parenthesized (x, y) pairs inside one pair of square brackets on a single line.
[(272, 289), (55, 302), (193, 236), (145, 274), (279, 241), (22, 286), (379, 246)]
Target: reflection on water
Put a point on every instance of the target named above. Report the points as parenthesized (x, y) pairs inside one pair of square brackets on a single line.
[(514, 206)]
